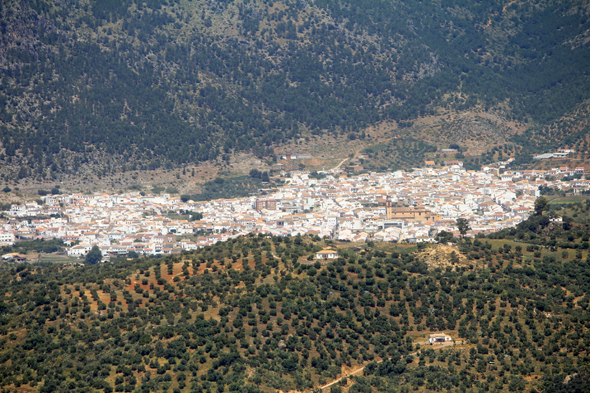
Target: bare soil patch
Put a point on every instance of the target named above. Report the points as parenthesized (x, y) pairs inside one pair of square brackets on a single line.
[(442, 256)]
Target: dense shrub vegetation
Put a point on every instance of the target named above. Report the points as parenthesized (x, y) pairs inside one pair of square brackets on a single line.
[(168, 83)]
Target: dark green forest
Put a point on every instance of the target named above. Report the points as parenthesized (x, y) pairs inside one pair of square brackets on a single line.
[(147, 84), (237, 187), (260, 314)]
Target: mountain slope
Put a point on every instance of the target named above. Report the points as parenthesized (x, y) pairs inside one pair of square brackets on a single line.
[(176, 82)]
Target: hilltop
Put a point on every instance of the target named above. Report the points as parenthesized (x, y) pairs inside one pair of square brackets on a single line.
[(99, 88), (261, 313)]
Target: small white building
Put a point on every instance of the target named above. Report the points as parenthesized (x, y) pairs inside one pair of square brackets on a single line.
[(16, 257), (6, 238), (326, 254), (439, 338), (80, 250)]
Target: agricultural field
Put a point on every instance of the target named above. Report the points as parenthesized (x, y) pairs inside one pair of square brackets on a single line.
[(261, 314)]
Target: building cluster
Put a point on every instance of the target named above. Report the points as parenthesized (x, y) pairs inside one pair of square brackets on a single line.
[(400, 206), (578, 185), (561, 153)]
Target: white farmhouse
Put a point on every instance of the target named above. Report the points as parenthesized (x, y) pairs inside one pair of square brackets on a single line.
[(439, 338), (80, 250), (327, 254)]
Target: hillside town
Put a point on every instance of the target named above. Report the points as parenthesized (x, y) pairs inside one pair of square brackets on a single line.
[(394, 207)]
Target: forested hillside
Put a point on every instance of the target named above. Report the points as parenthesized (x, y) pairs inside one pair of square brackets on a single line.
[(259, 313), (167, 83)]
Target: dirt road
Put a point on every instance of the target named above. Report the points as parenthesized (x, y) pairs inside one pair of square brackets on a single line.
[(437, 346), (339, 165)]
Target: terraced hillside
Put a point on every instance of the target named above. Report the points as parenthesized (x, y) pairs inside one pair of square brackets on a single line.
[(259, 313)]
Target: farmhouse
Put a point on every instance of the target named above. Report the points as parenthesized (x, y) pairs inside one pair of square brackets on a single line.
[(79, 250), (326, 254), (439, 338), (545, 156), (16, 257)]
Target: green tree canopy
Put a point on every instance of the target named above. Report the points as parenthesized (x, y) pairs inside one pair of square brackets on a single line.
[(463, 226), (541, 204), (94, 256)]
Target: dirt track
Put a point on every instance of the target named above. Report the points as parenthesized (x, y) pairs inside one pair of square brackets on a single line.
[(438, 346)]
